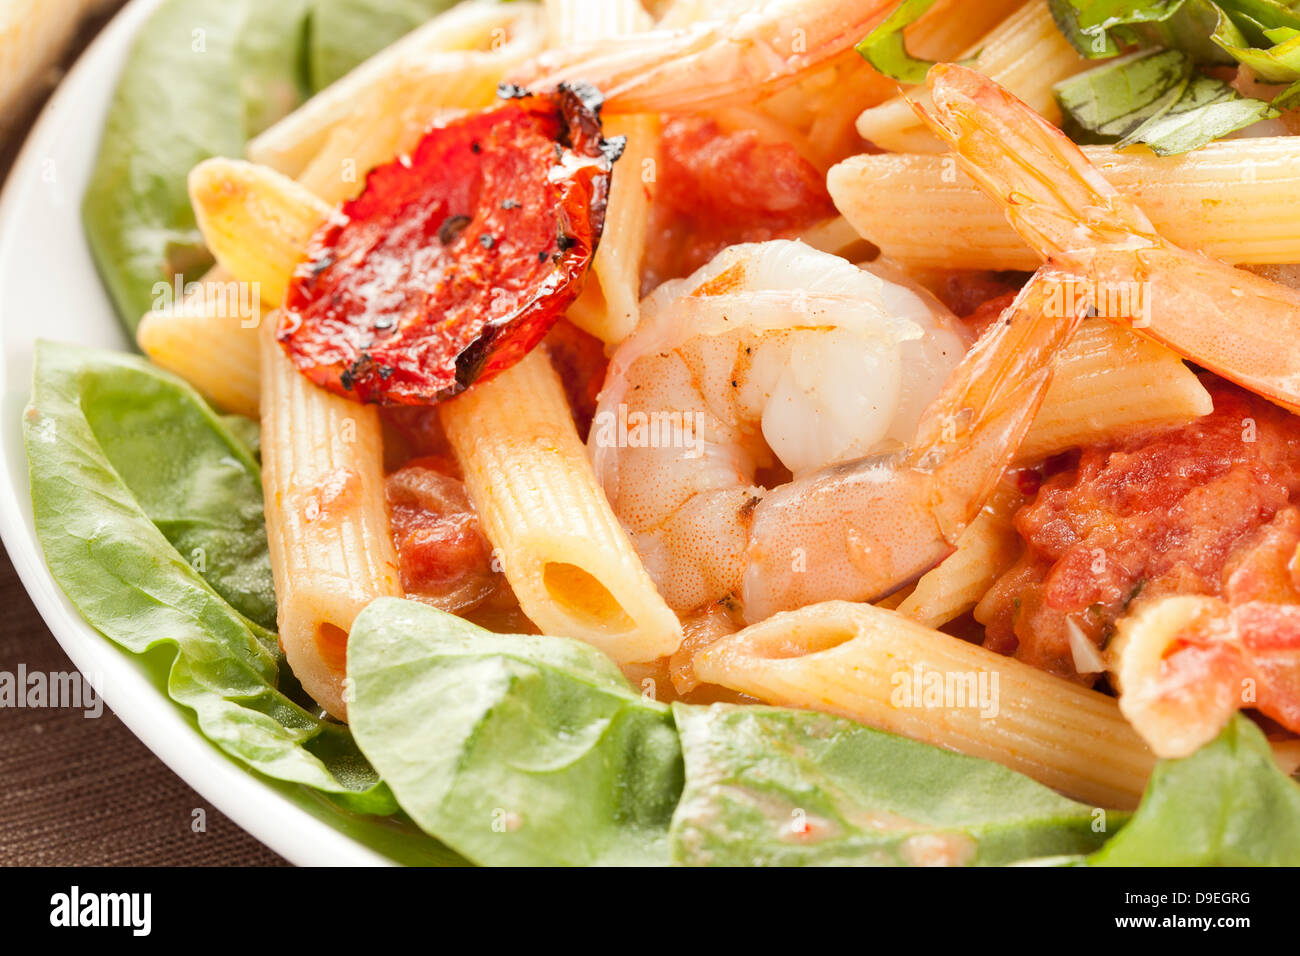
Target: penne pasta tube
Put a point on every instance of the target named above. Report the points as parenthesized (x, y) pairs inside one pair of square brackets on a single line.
[(210, 340), (327, 522), (290, 144), (610, 305), (1026, 53), (1236, 200), (204, 340), (887, 671), (328, 528), (570, 563), (1111, 383), (255, 221), (985, 550), (256, 224)]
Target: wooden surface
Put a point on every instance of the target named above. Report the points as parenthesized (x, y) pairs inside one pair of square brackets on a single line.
[(83, 791)]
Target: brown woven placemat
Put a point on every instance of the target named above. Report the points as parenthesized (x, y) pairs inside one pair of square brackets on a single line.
[(82, 791)]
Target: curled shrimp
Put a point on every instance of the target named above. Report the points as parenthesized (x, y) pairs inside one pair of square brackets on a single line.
[(1234, 323), (801, 368), (714, 63)]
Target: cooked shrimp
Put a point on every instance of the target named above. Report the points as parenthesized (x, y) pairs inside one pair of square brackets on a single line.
[(1236, 324), (714, 63), (1185, 665), (776, 359)]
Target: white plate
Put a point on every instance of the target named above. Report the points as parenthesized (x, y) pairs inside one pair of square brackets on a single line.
[(49, 289)]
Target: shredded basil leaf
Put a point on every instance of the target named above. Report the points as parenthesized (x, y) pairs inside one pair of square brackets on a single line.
[(1271, 49), (886, 49), (1156, 98), (1102, 28)]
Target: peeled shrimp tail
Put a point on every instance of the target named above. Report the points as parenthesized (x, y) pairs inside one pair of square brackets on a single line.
[(715, 63), (1234, 323), (1238, 325), (862, 529), (969, 436), (1055, 198)]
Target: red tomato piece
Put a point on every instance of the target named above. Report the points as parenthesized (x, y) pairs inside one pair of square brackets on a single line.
[(454, 262)]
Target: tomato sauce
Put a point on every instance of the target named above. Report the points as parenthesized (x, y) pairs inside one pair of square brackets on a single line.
[(1204, 509), (978, 296), (579, 359), (444, 557), (715, 188)]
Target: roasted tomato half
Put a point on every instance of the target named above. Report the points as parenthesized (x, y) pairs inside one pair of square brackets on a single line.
[(455, 261)]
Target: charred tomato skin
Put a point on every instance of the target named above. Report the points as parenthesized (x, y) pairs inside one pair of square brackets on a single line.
[(454, 262)]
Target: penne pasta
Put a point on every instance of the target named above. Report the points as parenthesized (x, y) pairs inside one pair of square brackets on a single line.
[(331, 544), (1237, 200), (1111, 383), (564, 553), (327, 523), (290, 144), (1026, 53), (610, 305), (985, 550), (210, 340), (887, 671), (255, 221)]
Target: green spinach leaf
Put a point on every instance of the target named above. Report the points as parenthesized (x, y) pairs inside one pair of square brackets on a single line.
[(196, 480), (96, 490), (1228, 804), (516, 750), (1102, 28), (1271, 51), (784, 787), (178, 102)]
